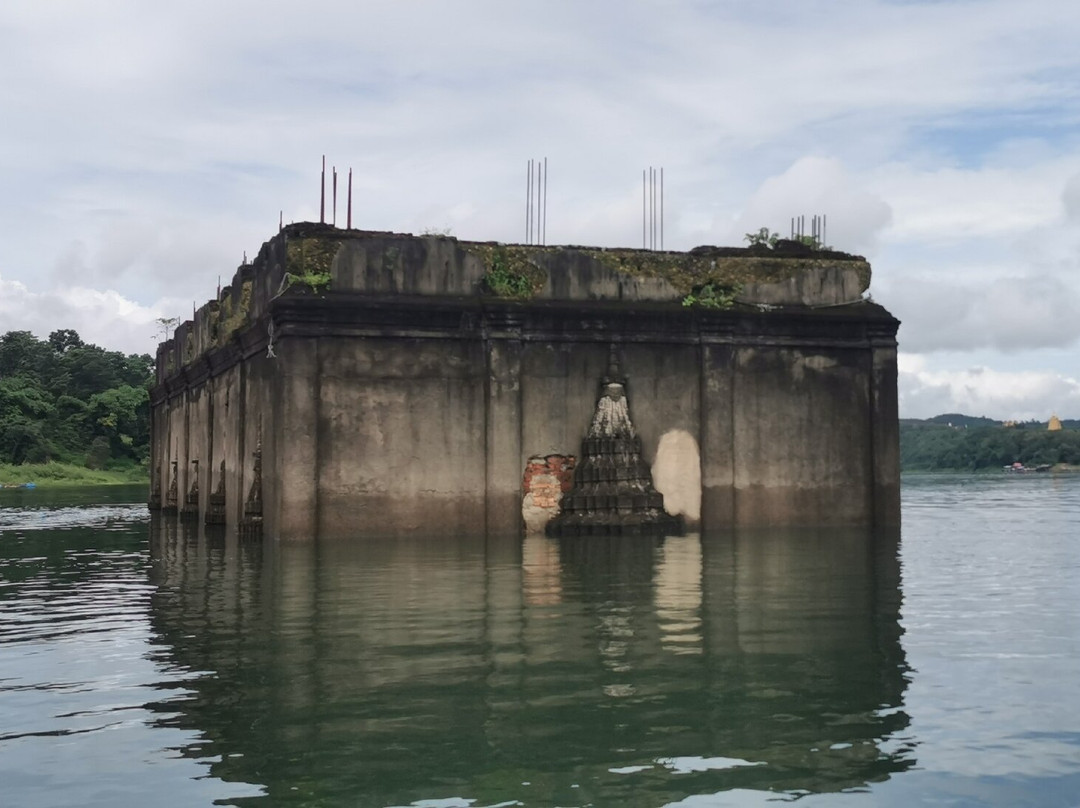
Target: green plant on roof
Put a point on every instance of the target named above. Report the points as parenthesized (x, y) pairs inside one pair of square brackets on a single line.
[(713, 296), (769, 239), (309, 262), (232, 318), (511, 274), (762, 236), (315, 281), (813, 242)]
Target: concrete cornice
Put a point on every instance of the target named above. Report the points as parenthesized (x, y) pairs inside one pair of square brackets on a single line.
[(862, 325)]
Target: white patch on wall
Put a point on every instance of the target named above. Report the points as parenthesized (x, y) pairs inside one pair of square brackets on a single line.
[(811, 362), (537, 509), (676, 473)]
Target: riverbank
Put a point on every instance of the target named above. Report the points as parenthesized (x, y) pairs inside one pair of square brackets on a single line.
[(54, 475), (1057, 468)]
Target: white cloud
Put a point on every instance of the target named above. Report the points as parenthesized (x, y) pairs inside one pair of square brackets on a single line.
[(1070, 198), (1008, 314), (143, 150), (1013, 288), (816, 185), (948, 205), (103, 318), (1003, 395)]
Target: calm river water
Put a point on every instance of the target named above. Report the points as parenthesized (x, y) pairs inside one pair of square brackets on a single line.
[(145, 664)]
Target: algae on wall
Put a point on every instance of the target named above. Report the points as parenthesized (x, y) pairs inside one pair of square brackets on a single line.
[(709, 278), (706, 277), (690, 272), (308, 261), (512, 270), (233, 319)]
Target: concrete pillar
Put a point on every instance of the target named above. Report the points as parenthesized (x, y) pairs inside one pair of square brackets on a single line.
[(503, 436), (232, 442), (295, 469), (885, 436), (717, 443), (175, 448), (183, 451), (200, 419)]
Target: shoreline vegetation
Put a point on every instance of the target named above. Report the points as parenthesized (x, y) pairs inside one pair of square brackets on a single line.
[(61, 475), (72, 413)]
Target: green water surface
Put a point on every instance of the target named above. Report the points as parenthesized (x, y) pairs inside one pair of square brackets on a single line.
[(146, 662)]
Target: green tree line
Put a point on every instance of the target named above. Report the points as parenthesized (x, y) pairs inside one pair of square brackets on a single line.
[(64, 400), (926, 446)]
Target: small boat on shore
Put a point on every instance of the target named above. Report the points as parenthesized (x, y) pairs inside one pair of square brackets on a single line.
[(1020, 468)]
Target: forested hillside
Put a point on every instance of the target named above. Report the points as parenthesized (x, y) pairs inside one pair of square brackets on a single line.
[(932, 446), (64, 400)]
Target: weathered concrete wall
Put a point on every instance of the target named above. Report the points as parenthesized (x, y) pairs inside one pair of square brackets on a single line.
[(800, 445), (400, 444), (502, 432), (373, 263), (410, 398), (227, 404), (199, 435)]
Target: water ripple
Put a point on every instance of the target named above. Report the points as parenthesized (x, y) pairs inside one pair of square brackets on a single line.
[(99, 517)]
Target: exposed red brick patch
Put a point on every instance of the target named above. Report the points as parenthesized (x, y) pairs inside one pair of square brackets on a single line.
[(545, 481)]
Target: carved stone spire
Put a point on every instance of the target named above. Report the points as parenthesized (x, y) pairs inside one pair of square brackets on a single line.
[(613, 493)]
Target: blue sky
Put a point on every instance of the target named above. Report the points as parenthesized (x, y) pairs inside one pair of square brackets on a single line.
[(146, 147)]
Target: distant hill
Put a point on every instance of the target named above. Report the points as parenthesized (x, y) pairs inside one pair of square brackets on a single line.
[(958, 420), (965, 442)]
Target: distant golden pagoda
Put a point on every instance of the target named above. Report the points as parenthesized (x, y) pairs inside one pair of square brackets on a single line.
[(1055, 424)]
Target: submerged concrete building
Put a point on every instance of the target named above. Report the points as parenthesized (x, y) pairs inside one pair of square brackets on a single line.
[(352, 384)]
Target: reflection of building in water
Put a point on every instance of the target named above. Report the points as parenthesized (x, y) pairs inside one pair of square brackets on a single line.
[(390, 669), (678, 594), (807, 620), (541, 570)]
